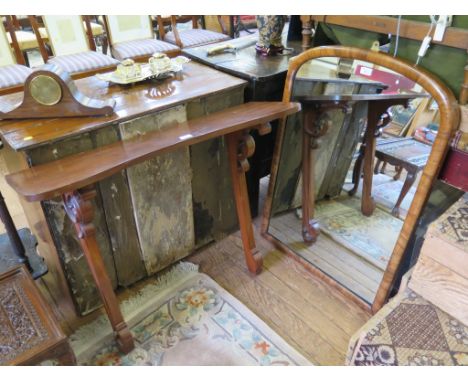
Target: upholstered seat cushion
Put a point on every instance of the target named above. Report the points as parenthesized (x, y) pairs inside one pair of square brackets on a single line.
[(83, 62), (139, 48), (12, 75), (193, 37)]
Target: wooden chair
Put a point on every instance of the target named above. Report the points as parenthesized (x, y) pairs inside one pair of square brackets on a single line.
[(13, 72), (90, 23), (26, 40), (29, 331), (189, 37), (132, 36), (72, 46)]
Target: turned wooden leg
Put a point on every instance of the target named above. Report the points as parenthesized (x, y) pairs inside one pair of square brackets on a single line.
[(79, 208), (357, 171), (241, 146), (367, 202), (310, 226), (409, 181), (306, 32)]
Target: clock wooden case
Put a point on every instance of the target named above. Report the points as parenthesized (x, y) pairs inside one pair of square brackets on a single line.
[(50, 92)]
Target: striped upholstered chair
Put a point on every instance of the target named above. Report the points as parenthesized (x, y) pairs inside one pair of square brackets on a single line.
[(13, 72), (72, 46), (132, 36), (190, 37)]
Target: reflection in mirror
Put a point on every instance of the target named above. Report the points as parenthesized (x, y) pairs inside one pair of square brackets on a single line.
[(339, 203)]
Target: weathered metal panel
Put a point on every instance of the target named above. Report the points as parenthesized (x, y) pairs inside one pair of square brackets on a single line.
[(161, 195), (213, 201), (120, 218)]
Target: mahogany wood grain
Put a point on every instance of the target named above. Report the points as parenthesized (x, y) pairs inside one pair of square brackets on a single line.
[(73, 172), (71, 104), (132, 101), (449, 119), (80, 210)]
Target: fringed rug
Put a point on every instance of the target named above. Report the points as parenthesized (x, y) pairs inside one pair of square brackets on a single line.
[(371, 238), (185, 318)]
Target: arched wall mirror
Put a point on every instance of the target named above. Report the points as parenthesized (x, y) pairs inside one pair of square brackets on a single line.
[(351, 175)]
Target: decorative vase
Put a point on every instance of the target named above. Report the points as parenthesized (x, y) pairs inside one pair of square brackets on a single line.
[(270, 29)]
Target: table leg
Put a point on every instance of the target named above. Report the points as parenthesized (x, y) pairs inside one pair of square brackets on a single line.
[(357, 171), (367, 202), (241, 146), (79, 208), (409, 181), (312, 129)]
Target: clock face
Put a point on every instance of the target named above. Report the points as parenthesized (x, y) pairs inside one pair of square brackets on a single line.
[(45, 90)]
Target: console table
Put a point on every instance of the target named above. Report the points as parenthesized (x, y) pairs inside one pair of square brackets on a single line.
[(191, 210), (73, 179), (315, 127)]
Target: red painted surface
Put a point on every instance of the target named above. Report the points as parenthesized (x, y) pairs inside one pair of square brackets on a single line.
[(455, 169), (394, 81)]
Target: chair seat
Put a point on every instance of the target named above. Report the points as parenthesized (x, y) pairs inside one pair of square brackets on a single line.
[(26, 40), (141, 48), (83, 62), (194, 37), (12, 75)]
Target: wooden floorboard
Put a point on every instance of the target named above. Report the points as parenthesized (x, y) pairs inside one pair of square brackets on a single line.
[(343, 265), (308, 313), (312, 316)]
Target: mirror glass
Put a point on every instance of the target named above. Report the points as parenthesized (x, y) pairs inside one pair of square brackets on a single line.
[(363, 136)]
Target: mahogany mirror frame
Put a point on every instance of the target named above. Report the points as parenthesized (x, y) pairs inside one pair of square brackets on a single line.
[(449, 119)]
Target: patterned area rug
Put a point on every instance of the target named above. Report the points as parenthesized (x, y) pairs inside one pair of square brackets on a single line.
[(371, 238), (410, 331), (186, 319)]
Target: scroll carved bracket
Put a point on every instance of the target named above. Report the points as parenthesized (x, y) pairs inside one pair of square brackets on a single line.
[(245, 149), (79, 208)]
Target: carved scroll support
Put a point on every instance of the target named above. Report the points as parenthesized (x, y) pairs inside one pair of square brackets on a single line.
[(241, 146), (315, 124), (79, 208), (377, 117)]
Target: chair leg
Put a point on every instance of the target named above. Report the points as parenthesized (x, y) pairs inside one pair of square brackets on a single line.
[(399, 169), (410, 178)]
